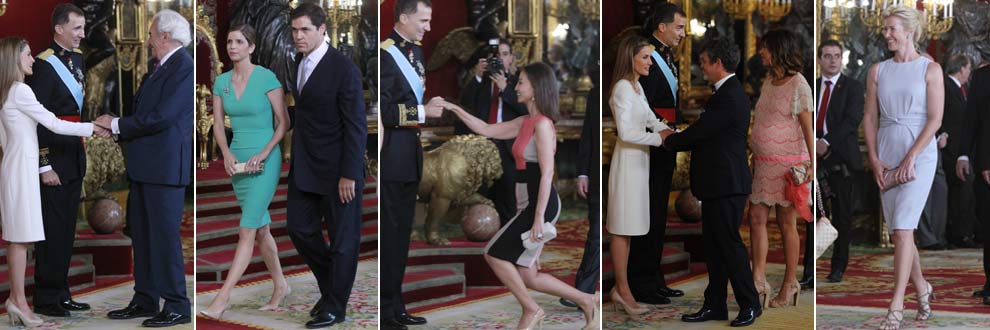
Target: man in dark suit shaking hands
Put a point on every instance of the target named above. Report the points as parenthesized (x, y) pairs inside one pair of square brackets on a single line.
[(158, 153), (327, 167), (720, 178)]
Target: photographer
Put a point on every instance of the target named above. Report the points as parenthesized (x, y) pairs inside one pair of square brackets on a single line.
[(490, 95)]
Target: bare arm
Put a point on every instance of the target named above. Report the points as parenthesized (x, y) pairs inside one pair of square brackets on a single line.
[(221, 135), (870, 119), (546, 142), (501, 131), (808, 128)]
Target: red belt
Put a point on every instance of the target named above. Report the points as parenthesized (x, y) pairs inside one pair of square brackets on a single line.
[(72, 118), (666, 113)]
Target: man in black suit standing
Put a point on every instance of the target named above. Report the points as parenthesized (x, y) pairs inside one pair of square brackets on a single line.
[(839, 113), (721, 179), (974, 146), (962, 207), (491, 96), (326, 173), (58, 80), (664, 28), (403, 80)]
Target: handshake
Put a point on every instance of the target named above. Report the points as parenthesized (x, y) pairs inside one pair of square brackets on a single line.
[(101, 126), (436, 106)]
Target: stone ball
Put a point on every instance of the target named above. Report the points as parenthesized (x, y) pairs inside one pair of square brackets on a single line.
[(688, 207), (105, 216), (480, 223)]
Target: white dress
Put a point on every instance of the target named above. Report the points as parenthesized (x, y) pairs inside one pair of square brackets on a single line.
[(20, 184), (902, 96), (629, 172)]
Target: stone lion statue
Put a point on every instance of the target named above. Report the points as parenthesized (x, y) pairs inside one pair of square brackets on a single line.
[(452, 175)]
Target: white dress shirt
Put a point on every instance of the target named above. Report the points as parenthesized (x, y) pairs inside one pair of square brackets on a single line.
[(834, 79), (113, 123), (308, 64), (722, 81)]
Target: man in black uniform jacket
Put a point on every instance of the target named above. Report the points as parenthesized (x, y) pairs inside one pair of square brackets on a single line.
[(403, 80), (664, 29), (491, 96), (721, 179), (58, 83)]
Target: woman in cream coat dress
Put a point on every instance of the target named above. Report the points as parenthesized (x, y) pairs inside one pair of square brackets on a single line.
[(20, 188), (629, 191)]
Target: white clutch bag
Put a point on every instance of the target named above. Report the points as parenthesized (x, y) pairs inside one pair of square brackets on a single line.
[(239, 168), (549, 232)]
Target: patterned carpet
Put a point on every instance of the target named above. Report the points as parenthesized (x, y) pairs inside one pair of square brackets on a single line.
[(861, 299), (362, 311)]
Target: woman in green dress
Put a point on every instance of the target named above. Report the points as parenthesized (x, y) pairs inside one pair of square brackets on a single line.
[(251, 95)]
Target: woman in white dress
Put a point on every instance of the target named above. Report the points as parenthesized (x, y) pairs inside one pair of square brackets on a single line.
[(20, 192), (629, 191), (903, 110)]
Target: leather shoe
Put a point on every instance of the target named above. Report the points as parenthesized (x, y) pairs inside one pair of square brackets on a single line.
[(130, 312), (52, 310), (652, 299), (706, 314), (392, 324), (568, 303), (323, 320), (407, 319), (986, 300), (746, 317), (807, 282), (74, 305), (166, 319), (316, 308), (668, 292), (835, 276), (985, 292)]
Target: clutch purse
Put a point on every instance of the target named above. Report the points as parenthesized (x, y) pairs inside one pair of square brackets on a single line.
[(890, 181), (799, 172), (549, 232), (797, 190), (239, 168), (825, 233)]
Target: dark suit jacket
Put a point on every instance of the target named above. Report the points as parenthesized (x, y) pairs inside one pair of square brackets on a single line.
[(843, 118), (975, 136), (65, 154), (159, 133), (330, 129), (658, 92), (476, 97), (953, 118), (589, 145), (401, 153), (717, 141)]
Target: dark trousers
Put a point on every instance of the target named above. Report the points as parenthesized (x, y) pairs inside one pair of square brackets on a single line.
[(335, 264), (645, 275), (59, 206), (586, 278), (931, 228), (841, 207), (397, 212), (961, 219), (982, 191), (154, 213), (809, 250), (503, 191), (728, 262)]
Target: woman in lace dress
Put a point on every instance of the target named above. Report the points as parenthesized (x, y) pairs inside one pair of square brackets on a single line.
[(783, 136)]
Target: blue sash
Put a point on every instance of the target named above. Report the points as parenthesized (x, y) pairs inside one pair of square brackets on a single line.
[(407, 70), (70, 81), (671, 80)]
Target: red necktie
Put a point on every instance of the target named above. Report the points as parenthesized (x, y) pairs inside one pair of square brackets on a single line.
[(963, 89), (493, 109), (823, 108)]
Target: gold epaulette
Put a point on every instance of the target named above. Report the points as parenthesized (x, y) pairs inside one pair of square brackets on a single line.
[(386, 44), (77, 50), (45, 54)]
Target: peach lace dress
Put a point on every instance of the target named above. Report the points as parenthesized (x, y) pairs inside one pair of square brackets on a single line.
[(777, 141)]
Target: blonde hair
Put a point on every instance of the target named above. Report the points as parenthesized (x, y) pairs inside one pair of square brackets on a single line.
[(10, 64), (910, 20)]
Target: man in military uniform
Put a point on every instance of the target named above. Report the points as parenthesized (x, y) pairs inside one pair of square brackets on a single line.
[(58, 83), (664, 28), (403, 109)]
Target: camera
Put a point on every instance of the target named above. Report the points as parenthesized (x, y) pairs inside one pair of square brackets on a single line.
[(495, 64)]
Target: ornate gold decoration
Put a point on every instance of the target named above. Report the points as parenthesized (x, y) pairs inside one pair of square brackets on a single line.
[(774, 10), (937, 14), (340, 15), (459, 43), (3, 7), (96, 77), (204, 126), (104, 163), (452, 174), (738, 9), (525, 21)]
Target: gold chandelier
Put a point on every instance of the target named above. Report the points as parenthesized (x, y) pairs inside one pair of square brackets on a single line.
[(343, 16), (937, 14), (772, 10)]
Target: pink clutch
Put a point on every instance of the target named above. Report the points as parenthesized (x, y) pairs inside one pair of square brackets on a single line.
[(890, 181)]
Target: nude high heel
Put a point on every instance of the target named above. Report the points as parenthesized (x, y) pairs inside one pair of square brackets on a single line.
[(596, 318), (536, 322), (633, 312), (793, 298), (271, 307), (15, 315), (763, 292)]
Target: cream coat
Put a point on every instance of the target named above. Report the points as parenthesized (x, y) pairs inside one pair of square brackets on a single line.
[(629, 176)]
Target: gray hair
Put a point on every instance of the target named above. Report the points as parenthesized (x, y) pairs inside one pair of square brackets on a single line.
[(169, 21), (956, 63)]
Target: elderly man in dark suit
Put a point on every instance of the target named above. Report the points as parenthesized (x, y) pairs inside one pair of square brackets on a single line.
[(719, 137), (962, 207)]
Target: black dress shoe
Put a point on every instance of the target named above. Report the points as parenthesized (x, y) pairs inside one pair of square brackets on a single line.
[(392, 324), (166, 319), (746, 317), (568, 303), (74, 305), (936, 247), (986, 300), (652, 299), (835, 277), (130, 312), (323, 321), (985, 292), (668, 292), (407, 319), (706, 314), (807, 282), (316, 308), (52, 310)]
